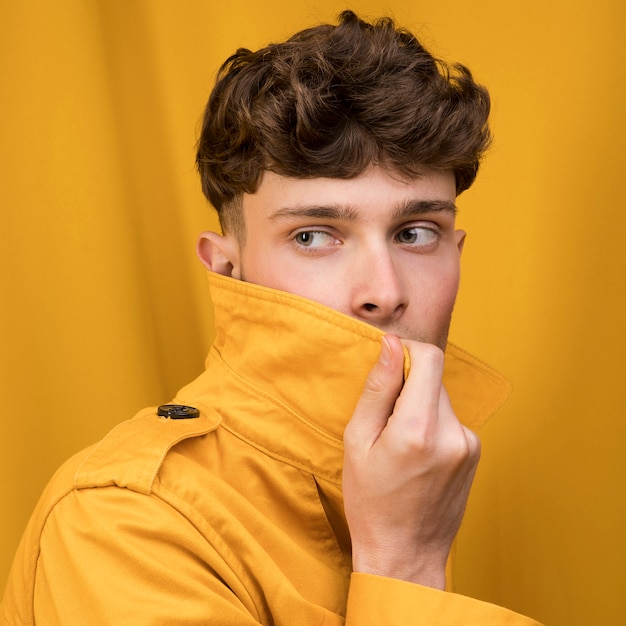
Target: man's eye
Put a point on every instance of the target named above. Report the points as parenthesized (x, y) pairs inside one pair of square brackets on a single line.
[(417, 235), (314, 238)]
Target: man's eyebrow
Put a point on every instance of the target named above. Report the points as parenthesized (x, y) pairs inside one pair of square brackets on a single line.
[(417, 207), (332, 212)]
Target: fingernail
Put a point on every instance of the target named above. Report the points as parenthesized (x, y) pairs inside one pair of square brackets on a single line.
[(385, 352)]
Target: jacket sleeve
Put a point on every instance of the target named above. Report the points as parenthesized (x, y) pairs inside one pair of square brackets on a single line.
[(374, 600), (112, 556)]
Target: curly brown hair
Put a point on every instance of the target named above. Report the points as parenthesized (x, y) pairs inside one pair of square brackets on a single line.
[(329, 102)]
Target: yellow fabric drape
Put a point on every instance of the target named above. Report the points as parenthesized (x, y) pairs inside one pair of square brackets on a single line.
[(104, 309)]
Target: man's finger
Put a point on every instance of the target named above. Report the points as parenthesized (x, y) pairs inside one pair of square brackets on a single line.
[(379, 396), (420, 399)]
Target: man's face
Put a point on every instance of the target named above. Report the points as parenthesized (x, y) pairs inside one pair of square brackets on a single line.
[(379, 247)]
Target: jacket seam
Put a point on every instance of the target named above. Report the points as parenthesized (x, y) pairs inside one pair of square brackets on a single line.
[(160, 492)]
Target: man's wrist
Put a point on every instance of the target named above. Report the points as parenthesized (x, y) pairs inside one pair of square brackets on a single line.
[(425, 571)]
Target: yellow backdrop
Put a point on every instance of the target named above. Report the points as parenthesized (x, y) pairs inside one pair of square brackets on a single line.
[(104, 308)]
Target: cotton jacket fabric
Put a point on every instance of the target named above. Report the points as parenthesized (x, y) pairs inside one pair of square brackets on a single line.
[(235, 517)]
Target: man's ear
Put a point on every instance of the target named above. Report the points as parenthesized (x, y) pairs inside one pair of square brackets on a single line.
[(220, 253), (460, 236)]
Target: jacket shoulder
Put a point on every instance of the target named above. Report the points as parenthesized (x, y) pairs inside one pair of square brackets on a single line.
[(129, 456), (132, 453)]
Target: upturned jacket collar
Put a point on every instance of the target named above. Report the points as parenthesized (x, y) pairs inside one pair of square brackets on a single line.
[(285, 374)]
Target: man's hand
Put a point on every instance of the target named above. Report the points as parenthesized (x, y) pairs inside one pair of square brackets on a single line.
[(408, 468)]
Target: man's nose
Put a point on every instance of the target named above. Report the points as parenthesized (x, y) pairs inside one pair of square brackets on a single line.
[(379, 295)]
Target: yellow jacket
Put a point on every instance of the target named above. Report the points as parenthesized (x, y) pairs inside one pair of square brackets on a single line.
[(234, 516)]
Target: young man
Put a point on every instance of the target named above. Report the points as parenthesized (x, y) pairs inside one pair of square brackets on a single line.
[(316, 472)]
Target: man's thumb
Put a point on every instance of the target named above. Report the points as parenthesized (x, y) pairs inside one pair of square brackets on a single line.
[(381, 390)]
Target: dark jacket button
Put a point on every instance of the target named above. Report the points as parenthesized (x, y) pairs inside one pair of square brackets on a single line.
[(177, 411)]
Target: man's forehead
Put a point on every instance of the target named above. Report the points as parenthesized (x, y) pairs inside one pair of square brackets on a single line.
[(418, 172), (375, 191)]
